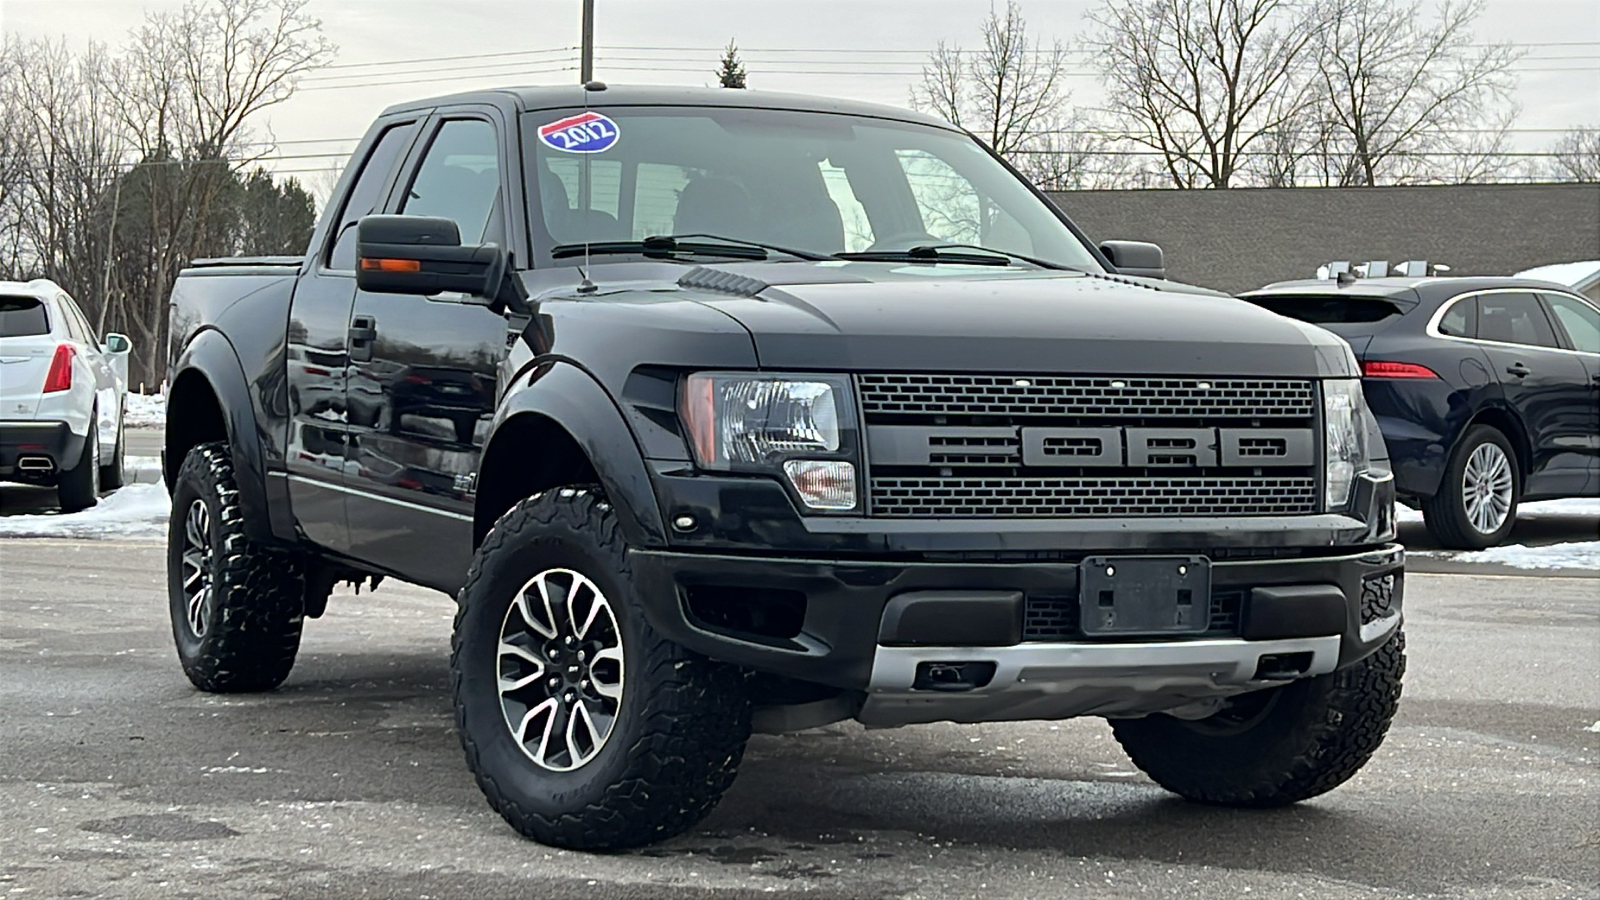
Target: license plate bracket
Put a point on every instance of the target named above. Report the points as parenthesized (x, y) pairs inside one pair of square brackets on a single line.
[(1122, 596)]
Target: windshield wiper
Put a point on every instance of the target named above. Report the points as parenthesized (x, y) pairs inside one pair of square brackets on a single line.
[(933, 253), (666, 246)]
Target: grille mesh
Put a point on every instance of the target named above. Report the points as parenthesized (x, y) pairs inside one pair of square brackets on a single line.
[(1076, 396), (1016, 497)]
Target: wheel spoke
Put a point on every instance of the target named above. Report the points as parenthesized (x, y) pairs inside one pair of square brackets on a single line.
[(548, 710), (580, 716), (611, 690), (197, 609)]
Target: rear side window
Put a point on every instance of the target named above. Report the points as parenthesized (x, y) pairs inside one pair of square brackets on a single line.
[(1514, 318), (1461, 319), (22, 317), (365, 193), (1329, 310), (1581, 321)]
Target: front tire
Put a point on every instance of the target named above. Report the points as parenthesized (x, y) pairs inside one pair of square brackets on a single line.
[(1277, 746), (583, 727), (1476, 504), (79, 489), (236, 607)]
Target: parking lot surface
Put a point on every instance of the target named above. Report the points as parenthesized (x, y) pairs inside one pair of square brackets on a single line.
[(118, 779)]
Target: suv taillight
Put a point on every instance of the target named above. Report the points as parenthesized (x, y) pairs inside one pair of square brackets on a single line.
[(1396, 370), (60, 375)]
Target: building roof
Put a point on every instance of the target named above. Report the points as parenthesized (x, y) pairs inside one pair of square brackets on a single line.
[(573, 96), (1579, 276)]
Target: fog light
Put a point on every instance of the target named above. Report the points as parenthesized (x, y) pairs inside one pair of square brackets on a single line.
[(823, 483)]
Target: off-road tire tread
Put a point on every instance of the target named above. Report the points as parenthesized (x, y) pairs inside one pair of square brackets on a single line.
[(698, 718), (259, 592), (1442, 514), (1357, 704)]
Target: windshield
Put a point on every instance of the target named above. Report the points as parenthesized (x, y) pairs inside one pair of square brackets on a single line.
[(814, 182)]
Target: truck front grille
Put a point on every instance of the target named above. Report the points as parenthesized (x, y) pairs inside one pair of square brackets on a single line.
[(1045, 446), (941, 497), (1056, 618)]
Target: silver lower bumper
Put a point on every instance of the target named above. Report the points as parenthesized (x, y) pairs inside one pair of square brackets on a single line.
[(1058, 681)]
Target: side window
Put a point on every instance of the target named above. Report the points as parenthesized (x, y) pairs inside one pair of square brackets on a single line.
[(1461, 319), (1581, 321), (1514, 318), (76, 329), (857, 230), (459, 178), (655, 198), (365, 193)]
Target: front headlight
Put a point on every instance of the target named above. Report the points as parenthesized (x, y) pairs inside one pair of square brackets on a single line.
[(1344, 419), (796, 425)]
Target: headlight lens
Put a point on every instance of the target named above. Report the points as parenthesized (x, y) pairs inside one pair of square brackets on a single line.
[(1344, 415), (797, 425)]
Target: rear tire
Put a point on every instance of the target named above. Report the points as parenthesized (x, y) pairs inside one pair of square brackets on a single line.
[(236, 606), (79, 489), (111, 473), (1278, 746), (1485, 466), (663, 730)]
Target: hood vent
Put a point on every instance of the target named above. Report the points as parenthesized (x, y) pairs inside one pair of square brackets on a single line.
[(708, 279)]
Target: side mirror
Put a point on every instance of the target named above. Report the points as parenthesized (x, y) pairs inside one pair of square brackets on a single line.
[(423, 255), (1135, 258), (118, 343)]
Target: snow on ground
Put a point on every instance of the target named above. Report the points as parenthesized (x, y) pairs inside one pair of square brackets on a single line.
[(1563, 273), (1572, 506), (136, 511), (141, 411), (1573, 555)]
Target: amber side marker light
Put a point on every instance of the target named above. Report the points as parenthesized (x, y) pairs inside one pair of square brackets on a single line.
[(1396, 370), (391, 265)]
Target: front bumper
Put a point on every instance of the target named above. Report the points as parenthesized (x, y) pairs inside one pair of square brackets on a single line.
[(32, 440), (828, 624)]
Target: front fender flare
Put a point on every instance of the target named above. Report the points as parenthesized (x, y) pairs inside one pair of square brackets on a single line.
[(574, 400)]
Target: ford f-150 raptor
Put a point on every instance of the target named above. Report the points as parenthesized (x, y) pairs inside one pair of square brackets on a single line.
[(723, 411)]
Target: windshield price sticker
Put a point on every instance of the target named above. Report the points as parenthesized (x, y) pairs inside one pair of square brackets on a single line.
[(588, 132)]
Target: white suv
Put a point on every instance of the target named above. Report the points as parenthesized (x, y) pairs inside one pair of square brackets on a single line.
[(61, 395)]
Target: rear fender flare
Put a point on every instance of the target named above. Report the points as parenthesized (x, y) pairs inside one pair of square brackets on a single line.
[(571, 398), (210, 357)]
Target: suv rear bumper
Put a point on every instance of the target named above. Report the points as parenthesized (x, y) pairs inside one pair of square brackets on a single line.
[(838, 636), (23, 441)]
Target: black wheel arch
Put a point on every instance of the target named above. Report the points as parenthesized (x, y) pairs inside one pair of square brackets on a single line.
[(558, 427), (1508, 423), (209, 400)]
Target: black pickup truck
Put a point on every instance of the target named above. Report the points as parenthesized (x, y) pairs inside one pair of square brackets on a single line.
[(723, 411)]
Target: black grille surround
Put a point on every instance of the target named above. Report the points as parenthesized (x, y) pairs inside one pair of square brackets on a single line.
[(1056, 618), (1065, 446)]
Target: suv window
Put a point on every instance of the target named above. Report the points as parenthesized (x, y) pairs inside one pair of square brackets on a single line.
[(1461, 319), (74, 313), (22, 317), (364, 194), (1514, 318), (459, 178), (1581, 321)]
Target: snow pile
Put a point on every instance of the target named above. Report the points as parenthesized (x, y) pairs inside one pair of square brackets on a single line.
[(1574, 555), (137, 511), (140, 411), (1570, 274), (1572, 506)]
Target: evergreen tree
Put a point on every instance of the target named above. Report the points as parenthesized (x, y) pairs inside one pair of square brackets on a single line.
[(731, 73)]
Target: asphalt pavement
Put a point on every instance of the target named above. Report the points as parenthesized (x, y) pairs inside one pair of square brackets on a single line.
[(118, 779)]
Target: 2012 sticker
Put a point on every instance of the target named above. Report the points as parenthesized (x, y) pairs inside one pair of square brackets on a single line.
[(588, 132)]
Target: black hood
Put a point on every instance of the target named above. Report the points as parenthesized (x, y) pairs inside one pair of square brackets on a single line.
[(924, 318)]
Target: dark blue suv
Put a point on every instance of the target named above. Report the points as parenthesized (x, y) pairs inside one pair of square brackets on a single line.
[(1487, 389)]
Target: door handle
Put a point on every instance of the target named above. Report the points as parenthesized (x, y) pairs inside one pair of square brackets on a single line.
[(1519, 370), (363, 331)]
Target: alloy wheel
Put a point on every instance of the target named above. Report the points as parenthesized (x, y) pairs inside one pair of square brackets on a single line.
[(197, 565), (560, 667), (1486, 488)]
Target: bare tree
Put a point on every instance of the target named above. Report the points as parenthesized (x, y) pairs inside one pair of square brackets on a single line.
[(1407, 98), (1577, 155), (1009, 92), (1203, 83)]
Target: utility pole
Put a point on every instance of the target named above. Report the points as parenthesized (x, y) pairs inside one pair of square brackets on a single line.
[(586, 74)]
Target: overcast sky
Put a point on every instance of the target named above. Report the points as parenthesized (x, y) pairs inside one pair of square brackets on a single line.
[(864, 49)]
